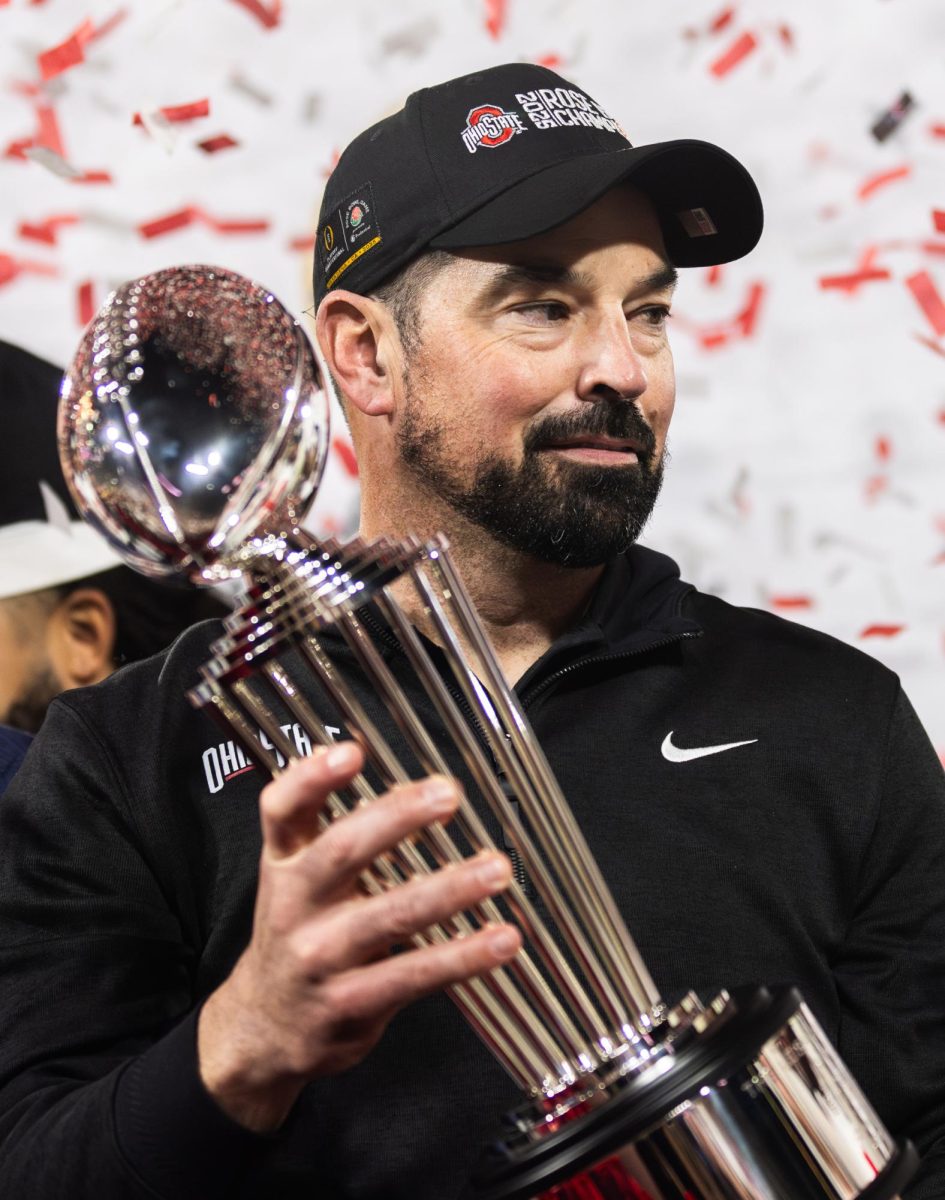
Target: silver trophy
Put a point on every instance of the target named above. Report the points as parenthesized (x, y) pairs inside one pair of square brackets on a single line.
[(193, 430)]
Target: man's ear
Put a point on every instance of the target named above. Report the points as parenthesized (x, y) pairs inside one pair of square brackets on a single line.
[(361, 348), (81, 637)]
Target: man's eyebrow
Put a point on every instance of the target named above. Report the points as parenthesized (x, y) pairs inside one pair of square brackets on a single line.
[(516, 275)]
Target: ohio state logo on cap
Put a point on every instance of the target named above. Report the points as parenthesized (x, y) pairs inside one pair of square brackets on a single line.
[(490, 126)]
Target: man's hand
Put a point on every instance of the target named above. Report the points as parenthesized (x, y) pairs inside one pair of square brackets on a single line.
[(316, 987)]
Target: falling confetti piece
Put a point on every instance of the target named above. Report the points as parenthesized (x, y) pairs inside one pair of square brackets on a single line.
[(927, 295), (795, 602), (881, 179), (213, 145), (63, 168), (938, 220), (852, 282), (722, 21), (345, 452), (46, 231), (739, 49), (162, 225), (495, 18), (879, 630), (85, 302), (11, 268), (176, 113), (70, 53), (268, 15), (188, 216), (889, 121), (883, 449)]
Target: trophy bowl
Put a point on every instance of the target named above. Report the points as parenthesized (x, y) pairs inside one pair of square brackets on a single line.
[(190, 419)]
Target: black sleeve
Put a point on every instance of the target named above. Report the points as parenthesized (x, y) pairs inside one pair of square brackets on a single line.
[(100, 1095), (891, 980)]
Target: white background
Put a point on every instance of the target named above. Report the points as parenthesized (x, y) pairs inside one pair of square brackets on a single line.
[(808, 458)]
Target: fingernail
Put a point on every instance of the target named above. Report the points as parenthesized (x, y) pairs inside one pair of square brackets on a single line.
[(341, 757), (495, 872), (440, 796), (503, 942)]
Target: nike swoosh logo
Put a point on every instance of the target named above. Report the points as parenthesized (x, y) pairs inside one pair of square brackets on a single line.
[(675, 754)]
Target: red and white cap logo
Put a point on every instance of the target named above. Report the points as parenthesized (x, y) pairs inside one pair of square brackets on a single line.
[(490, 126)]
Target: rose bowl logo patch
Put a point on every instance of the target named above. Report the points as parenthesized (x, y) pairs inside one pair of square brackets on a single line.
[(490, 126)]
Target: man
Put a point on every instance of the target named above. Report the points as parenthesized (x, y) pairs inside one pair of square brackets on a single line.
[(494, 274), (70, 612)]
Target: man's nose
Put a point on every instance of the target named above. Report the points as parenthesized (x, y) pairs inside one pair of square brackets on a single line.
[(612, 366)]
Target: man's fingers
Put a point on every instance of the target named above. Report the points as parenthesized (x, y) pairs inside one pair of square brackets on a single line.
[(291, 805), (377, 991), (350, 844), (360, 931)]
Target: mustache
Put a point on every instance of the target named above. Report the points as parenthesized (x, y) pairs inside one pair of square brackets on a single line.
[(605, 418)]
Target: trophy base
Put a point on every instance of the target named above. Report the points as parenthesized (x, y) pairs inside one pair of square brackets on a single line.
[(759, 1107)]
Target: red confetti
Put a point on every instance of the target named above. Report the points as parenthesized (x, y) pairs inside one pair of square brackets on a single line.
[(878, 630), (268, 16), (738, 50), (48, 230), (875, 485), (222, 141), (67, 54), (92, 177), (722, 21), (713, 275), (938, 220), (937, 130), (11, 267), (851, 283), (71, 52), (345, 452), (874, 182), (496, 12), (85, 302), (187, 216), (551, 61), (49, 134), (786, 34), (883, 448), (791, 602), (931, 343), (255, 225), (302, 244), (747, 319), (107, 26), (927, 295), (179, 112), (162, 225)]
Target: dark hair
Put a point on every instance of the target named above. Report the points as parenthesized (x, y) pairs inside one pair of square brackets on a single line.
[(402, 293), (148, 614)]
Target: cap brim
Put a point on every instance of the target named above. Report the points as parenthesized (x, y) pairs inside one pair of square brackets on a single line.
[(37, 555), (709, 208)]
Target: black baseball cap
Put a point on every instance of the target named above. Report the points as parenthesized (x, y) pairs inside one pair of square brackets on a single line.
[(505, 154)]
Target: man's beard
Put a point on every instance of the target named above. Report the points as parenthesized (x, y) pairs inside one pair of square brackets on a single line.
[(27, 711), (564, 512)]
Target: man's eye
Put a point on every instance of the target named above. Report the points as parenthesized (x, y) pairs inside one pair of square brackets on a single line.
[(654, 315), (544, 311)]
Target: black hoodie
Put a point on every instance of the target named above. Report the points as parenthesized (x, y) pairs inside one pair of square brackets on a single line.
[(812, 853)]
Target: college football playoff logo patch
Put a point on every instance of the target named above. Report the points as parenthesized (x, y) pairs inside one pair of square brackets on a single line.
[(490, 126)]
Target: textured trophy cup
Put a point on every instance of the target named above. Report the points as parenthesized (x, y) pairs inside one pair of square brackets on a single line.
[(193, 430)]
